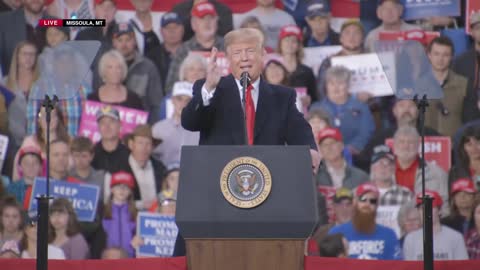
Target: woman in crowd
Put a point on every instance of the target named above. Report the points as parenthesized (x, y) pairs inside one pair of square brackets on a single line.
[(274, 70), (290, 46), (468, 153), (64, 231), (11, 220), (30, 163), (462, 195), (24, 72), (28, 244), (113, 71), (472, 239), (58, 131), (119, 221), (193, 68), (347, 113), (408, 219)]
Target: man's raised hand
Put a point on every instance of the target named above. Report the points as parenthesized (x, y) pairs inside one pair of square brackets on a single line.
[(213, 72)]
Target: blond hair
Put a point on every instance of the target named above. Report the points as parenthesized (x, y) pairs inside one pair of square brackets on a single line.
[(112, 55), (244, 35), (12, 77)]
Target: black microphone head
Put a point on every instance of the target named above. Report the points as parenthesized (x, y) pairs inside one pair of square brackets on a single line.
[(245, 78)]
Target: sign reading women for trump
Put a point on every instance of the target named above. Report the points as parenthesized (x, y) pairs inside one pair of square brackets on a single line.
[(158, 233), (368, 73), (129, 118), (420, 9), (84, 197)]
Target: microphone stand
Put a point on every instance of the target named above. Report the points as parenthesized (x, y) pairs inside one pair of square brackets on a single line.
[(43, 199), (244, 80), (427, 201)]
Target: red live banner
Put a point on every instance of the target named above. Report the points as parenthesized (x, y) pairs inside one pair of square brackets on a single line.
[(437, 149), (72, 23)]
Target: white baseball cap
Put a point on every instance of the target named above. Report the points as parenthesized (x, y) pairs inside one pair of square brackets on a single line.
[(182, 89)]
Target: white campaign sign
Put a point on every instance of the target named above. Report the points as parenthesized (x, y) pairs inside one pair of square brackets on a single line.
[(387, 216), (314, 56), (369, 74)]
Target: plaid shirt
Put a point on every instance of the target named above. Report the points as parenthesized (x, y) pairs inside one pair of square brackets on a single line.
[(71, 109), (396, 195), (472, 241)]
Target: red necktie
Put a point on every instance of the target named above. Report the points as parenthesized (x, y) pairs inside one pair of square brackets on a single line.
[(250, 111)]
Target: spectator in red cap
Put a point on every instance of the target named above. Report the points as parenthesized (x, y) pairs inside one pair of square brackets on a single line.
[(290, 47), (204, 23), (472, 239), (390, 13), (272, 19), (462, 195), (334, 170), (30, 161), (120, 214), (225, 21), (448, 244), (366, 239)]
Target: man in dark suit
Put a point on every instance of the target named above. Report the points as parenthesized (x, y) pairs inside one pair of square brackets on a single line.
[(20, 25), (216, 110)]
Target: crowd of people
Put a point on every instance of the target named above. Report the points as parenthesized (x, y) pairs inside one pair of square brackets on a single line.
[(151, 66)]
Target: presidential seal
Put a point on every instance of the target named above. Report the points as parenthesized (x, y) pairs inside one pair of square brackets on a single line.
[(245, 182)]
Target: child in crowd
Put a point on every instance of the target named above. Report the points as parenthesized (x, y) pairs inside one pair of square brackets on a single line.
[(28, 244), (30, 162), (10, 220), (120, 216), (334, 245), (167, 198), (64, 230)]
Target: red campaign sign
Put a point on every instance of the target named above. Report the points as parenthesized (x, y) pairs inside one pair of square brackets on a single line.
[(424, 37), (345, 8), (222, 61), (472, 7), (328, 192), (437, 149)]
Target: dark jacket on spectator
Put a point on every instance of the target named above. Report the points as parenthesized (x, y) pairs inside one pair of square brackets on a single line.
[(225, 19), (353, 177), (467, 65), (303, 77), (333, 39), (161, 58), (158, 172)]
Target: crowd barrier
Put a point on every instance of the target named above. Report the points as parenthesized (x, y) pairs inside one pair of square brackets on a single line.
[(179, 263)]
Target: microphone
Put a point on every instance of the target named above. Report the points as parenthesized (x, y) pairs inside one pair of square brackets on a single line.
[(245, 78), (244, 81)]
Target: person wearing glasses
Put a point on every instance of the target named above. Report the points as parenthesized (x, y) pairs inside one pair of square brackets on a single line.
[(366, 239)]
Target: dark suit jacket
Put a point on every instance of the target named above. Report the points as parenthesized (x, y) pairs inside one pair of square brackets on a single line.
[(158, 172), (277, 120), (12, 31)]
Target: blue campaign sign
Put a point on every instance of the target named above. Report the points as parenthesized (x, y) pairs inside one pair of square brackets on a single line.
[(84, 197), (158, 233), (420, 9)]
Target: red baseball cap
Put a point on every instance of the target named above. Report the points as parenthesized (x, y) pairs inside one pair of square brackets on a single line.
[(437, 200), (333, 133), (203, 9), (291, 30), (366, 187), (463, 184), (124, 178)]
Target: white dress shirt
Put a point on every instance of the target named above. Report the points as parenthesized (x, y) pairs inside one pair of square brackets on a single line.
[(146, 182), (206, 96)]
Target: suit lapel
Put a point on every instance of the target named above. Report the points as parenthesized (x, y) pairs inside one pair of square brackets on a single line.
[(263, 106)]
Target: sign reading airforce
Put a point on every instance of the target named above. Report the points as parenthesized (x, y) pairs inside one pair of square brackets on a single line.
[(245, 182)]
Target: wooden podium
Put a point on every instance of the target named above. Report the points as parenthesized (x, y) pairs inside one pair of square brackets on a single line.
[(220, 235)]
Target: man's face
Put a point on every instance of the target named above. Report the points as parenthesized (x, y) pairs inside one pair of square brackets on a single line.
[(106, 10), (406, 147), (382, 170), (109, 128), (351, 38), (440, 56), (141, 148), (205, 27), (319, 24), (142, 5), (180, 102), (331, 149), (389, 12), (172, 33), (405, 112), (246, 56), (367, 203), (343, 211), (34, 6), (82, 159), (126, 45), (59, 156), (475, 32)]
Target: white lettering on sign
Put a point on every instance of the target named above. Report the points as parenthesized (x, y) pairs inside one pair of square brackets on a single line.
[(65, 191), (165, 233), (82, 204), (365, 248), (153, 223), (432, 147)]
